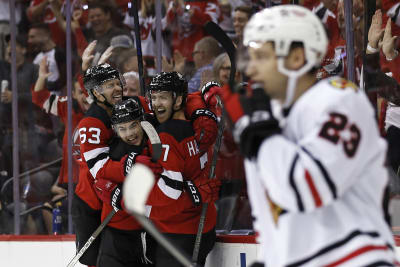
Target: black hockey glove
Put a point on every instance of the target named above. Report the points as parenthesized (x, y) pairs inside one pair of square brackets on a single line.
[(252, 118), (203, 190), (127, 162)]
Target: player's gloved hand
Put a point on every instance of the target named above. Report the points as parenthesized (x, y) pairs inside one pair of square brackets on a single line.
[(209, 91), (108, 192), (252, 119), (133, 158), (205, 127), (203, 190)]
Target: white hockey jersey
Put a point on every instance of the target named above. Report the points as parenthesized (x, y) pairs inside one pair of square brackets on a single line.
[(316, 191)]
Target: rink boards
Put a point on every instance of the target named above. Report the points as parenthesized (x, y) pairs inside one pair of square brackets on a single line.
[(57, 251)]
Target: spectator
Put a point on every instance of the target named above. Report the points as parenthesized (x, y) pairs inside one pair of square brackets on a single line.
[(147, 24), (41, 44), (388, 87), (222, 70), (102, 27), (185, 18), (204, 53), (241, 16), (227, 22), (5, 22), (120, 43), (26, 76), (127, 61), (132, 86), (40, 11)]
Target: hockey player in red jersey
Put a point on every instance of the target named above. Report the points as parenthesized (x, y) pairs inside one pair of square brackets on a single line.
[(184, 166), (124, 242), (104, 85), (315, 162)]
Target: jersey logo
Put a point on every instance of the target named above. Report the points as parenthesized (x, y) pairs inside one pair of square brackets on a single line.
[(341, 83), (275, 209)]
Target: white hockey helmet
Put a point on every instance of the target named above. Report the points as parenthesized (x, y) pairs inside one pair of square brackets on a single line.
[(284, 25)]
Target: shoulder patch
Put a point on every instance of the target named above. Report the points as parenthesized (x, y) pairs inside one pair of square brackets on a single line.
[(342, 83), (179, 129)]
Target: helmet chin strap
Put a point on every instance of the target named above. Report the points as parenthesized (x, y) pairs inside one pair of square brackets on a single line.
[(293, 76), (105, 102)]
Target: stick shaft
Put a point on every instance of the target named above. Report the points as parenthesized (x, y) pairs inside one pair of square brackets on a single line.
[(204, 208), (134, 13), (162, 240), (92, 238)]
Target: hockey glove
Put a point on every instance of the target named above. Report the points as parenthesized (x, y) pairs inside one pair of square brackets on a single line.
[(209, 91), (204, 124), (252, 119), (108, 192), (203, 191), (133, 158)]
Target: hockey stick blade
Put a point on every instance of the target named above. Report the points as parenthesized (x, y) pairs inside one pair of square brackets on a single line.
[(136, 189), (223, 39), (154, 139), (92, 238)]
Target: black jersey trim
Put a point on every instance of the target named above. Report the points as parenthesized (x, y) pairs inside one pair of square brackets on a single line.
[(333, 246), (325, 174), (179, 129), (177, 185), (93, 161), (292, 183)]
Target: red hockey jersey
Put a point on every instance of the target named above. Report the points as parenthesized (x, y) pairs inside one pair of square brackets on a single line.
[(95, 132), (172, 210)]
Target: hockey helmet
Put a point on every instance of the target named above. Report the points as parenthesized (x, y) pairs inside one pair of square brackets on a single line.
[(283, 25), (170, 81), (97, 75), (125, 111)]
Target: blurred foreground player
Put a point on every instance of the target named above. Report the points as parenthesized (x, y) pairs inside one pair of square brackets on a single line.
[(320, 167)]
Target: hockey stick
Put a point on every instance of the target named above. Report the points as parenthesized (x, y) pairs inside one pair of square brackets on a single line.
[(223, 39), (134, 14), (154, 139), (156, 144), (136, 189), (92, 238), (217, 146)]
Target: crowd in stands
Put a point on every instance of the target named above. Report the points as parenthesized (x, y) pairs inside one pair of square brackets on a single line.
[(104, 29)]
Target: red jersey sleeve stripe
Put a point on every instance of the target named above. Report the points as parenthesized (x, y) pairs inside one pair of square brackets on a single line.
[(313, 189)]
